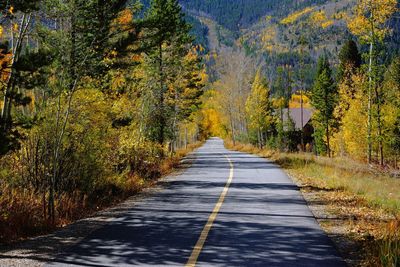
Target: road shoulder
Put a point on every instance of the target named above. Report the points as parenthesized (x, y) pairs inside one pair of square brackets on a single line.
[(37, 251)]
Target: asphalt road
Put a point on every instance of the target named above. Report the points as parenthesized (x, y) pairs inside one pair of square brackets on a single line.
[(227, 209)]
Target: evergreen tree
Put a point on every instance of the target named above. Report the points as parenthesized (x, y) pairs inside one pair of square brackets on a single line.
[(392, 105), (166, 31), (350, 60), (324, 100), (19, 15)]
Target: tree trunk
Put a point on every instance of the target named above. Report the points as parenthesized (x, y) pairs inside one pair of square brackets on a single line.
[(161, 98), (302, 120), (370, 81), (370, 85), (5, 122), (186, 137), (233, 132), (328, 145), (379, 121)]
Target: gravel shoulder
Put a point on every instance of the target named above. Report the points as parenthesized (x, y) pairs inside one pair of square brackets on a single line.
[(351, 224)]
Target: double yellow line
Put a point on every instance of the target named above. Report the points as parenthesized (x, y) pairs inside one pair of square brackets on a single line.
[(203, 236)]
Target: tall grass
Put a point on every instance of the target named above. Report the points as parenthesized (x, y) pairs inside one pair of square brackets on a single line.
[(389, 247), (23, 212), (378, 189)]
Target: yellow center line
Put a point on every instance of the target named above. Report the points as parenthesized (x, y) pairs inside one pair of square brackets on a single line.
[(203, 236)]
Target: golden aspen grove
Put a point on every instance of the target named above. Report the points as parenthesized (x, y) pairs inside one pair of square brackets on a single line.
[(101, 100)]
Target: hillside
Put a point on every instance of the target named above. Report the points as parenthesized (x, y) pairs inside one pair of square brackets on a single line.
[(240, 14), (293, 33)]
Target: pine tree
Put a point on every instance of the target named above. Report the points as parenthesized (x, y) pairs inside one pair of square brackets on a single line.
[(166, 30), (324, 100), (350, 60), (392, 98), (350, 63), (20, 16)]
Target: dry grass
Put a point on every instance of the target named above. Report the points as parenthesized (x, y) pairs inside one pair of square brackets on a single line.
[(366, 199), (22, 214)]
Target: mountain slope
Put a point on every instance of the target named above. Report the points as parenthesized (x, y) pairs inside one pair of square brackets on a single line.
[(285, 33), (238, 14)]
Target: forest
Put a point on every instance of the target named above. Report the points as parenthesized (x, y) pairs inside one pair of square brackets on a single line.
[(99, 99), (352, 92), (238, 14)]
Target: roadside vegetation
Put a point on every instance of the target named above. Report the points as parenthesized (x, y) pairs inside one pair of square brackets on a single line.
[(98, 100), (365, 200), (334, 128)]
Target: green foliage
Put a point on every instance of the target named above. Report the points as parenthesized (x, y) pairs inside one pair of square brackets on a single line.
[(392, 107), (238, 14), (199, 31), (24, 6), (93, 107), (168, 33), (324, 100), (350, 59)]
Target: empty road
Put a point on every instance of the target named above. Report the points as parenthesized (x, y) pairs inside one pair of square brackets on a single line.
[(227, 209)]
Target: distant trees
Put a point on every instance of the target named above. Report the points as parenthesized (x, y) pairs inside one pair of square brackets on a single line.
[(352, 95), (259, 108), (238, 14), (236, 72)]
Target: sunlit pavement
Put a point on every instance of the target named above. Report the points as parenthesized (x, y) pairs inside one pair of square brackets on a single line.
[(263, 220)]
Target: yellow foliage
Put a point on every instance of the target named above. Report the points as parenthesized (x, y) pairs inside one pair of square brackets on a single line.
[(211, 122), (1, 31), (89, 108), (371, 16), (278, 102), (327, 24), (295, 16), (125, 19), (268, 37), (4, 61), (352, 136), (268, 18), (341, 16), (318, 17), (355, 129), (118, 82), (258, 106), (295, 101)]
